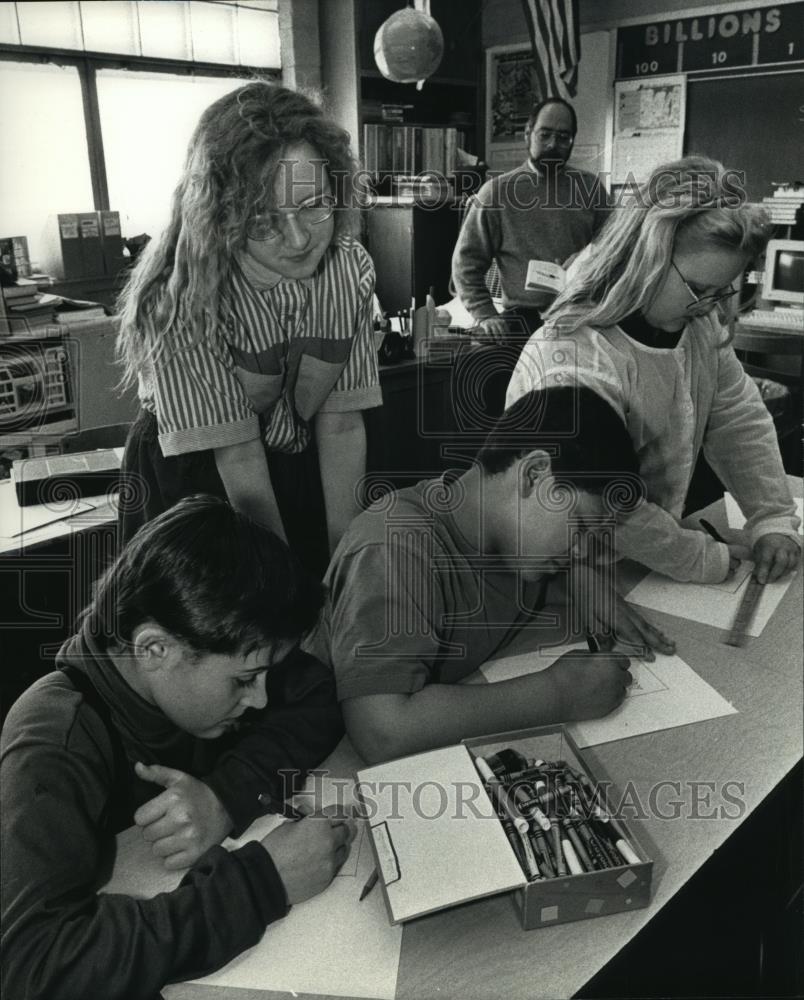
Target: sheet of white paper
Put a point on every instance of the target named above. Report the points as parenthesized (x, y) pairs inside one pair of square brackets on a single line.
[(664, 694), (331, 944), (736, 518), (712, 604)]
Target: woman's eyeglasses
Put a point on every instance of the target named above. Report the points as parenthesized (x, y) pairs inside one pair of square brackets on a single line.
[(704, 303), (271, 225)]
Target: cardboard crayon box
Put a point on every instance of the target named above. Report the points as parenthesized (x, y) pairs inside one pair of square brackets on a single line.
[(441, 836)]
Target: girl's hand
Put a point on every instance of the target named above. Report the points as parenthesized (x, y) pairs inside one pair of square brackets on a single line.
[(737, 553), (775, 555)]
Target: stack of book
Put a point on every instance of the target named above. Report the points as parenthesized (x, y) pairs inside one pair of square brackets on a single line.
[(785, 205), (25, 311), (410, 149)]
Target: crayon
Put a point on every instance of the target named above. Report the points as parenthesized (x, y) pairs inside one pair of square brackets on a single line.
[(561, 868), (598, 858), (580, 850), (531, 867), (538, 839)]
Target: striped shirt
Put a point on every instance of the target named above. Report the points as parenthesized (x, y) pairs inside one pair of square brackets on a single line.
[(285, 350)]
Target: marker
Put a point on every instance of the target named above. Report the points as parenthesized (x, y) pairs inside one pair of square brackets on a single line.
[(532, 810), (574, 865), (592, 643), (617, 839), (627, 851), (495, 787)]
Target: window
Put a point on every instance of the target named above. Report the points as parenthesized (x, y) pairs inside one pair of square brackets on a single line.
[(146, 121), (122, 78), (44, 167)]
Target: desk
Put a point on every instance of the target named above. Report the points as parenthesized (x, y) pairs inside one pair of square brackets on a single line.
[(478, 951)]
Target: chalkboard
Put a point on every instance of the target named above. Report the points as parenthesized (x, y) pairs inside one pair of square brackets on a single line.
[(752, 123)]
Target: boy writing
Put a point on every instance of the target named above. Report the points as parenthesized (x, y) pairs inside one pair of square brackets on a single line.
[(433, 580), (181, 700)]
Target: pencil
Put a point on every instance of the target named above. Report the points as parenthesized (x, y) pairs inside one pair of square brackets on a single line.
[(711, 530), (371, 881), (280, 808)]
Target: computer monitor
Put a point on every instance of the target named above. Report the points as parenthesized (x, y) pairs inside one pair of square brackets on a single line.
[(784, 272)]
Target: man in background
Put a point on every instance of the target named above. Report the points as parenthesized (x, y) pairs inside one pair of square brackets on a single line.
[(542, 210)]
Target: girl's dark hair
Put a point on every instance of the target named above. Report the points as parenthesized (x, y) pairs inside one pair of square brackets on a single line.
[(210, 576), (588, 442)]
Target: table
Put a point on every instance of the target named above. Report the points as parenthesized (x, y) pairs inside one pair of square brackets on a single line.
[(478, 951), (104, 512), (46, 578)]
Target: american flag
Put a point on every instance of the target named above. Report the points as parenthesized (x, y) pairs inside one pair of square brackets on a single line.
[(556, 40)]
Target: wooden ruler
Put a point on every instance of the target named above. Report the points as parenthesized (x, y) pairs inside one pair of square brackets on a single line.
[(745, 613)]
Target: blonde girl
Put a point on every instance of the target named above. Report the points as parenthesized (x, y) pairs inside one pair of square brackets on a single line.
[(639, 322)]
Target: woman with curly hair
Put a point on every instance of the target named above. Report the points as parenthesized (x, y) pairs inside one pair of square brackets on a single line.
[(638, 321), (247, 327)]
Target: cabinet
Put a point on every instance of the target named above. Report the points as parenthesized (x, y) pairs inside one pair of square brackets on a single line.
[(411, 246)]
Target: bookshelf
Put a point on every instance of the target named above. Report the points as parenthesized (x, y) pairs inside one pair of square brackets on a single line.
[(411, 242), (405, 131), (356, 92)]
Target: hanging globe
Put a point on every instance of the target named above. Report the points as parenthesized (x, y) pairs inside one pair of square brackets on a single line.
[(408, 46)]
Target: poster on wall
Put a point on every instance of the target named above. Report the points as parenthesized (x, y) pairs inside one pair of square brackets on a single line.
[(648, 126), (510, 94)]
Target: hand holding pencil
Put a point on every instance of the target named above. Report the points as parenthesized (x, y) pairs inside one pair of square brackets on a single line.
[(308, 852)]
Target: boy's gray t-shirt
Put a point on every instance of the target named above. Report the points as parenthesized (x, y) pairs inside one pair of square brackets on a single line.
[(410, 602)]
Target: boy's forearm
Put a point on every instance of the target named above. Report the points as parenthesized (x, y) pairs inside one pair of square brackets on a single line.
[(440, 714), (62, 940), (300, 727)]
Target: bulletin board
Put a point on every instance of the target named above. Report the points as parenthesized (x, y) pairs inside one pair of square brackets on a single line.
[(648, 126)]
